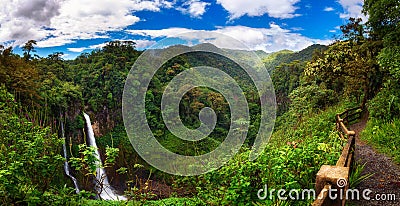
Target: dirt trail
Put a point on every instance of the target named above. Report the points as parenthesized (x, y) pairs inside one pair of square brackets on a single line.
[(386, 178)]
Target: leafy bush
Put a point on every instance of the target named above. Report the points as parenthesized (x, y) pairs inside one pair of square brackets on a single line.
[(386, 104), (356, 176), (384, 135), (176, 202), (311, 98), (389, 59), (30, 160)]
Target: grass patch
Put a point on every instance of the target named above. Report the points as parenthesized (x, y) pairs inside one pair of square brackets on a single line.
[(384, 136)]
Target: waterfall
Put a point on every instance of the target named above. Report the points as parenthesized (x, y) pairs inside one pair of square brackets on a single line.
[(105, 189), (66, 166)]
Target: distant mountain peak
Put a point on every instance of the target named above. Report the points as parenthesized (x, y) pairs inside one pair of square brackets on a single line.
[(275, 59), (207, 47)]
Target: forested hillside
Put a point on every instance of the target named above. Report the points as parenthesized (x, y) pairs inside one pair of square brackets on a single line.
[(43, 100)]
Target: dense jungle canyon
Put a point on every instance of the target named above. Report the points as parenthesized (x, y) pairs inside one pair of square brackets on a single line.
[(63, 139)]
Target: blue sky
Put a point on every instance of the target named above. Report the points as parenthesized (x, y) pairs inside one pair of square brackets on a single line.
[(75, 26)]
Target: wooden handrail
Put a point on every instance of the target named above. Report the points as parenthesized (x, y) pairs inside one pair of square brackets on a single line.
[(345, 160), (349, 115)]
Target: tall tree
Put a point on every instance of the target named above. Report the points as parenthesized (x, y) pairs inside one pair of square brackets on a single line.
[(354, 30), (28, 48), (384, 19), (18, 75), (352, 62)]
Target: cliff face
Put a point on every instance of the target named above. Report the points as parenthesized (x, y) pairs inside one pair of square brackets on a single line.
[(96, 129), (105, 120)]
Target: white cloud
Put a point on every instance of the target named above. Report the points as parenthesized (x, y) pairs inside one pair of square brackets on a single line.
[(81, 49), (269, 39), (297, 29), (60, 39), (194, 8), (282, 9), (332, 31), (78, 50), (59, 22), (143, 43), (64, 56), (155, 5), (352, 8), (140, 44), (160, 33), (328, 9)]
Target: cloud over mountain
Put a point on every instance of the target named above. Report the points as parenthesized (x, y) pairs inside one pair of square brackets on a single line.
[(277, 9)]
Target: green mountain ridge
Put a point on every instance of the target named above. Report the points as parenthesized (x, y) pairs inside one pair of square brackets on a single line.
[(275, 59), (270, 60)]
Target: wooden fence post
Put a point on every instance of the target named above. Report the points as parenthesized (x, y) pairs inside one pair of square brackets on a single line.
[(332, 182), (338, 178)]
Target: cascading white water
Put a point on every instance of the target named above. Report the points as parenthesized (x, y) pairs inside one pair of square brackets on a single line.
[(66, 165), (102, 184)]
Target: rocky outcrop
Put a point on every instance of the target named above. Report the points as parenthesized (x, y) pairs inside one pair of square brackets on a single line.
[(105, 120)]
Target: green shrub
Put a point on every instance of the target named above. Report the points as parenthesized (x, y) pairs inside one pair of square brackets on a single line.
[(30, 160), (384, 136), (310, 99), (389, 59), (386, 104), (176, 202)]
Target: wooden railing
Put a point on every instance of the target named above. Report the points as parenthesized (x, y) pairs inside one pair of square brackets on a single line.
[(336, 178)]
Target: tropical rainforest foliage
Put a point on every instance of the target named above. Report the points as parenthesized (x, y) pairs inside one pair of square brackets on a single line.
[(38, 94)]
